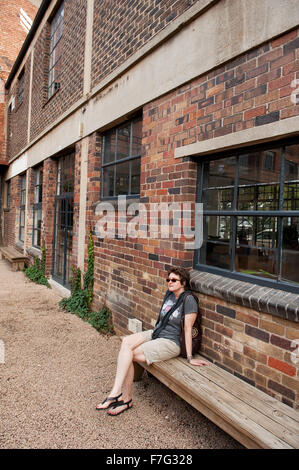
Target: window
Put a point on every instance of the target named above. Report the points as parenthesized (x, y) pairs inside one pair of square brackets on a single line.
[(251, 215), (22, 208), (55, 59), (8, 196), (37, 208), (21, 88), (121, 160)]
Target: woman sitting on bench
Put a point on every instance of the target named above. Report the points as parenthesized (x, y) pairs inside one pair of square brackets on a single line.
[(159, 344)]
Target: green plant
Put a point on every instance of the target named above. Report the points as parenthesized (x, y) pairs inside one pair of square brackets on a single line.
[(81, 297), (36, 271), (102, 320)]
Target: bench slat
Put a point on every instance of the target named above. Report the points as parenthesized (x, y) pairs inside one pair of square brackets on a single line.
[(13, 254), (205, 394), (280, 432), (269, 406)]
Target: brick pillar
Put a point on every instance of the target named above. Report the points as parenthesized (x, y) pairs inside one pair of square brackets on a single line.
[(49, 192), (30, 179)]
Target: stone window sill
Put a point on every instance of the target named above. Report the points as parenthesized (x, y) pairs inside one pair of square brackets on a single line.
[(262, 299)]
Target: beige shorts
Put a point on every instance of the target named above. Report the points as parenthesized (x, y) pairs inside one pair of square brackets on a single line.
[(159, 349)]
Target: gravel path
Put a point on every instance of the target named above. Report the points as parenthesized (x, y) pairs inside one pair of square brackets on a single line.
[(58, 368)]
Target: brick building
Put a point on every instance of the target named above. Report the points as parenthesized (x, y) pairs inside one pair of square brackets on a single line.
[(16, 17), (178, 103)]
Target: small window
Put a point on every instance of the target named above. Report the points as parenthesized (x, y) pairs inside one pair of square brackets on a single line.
[(22, 208), (8, 196), (21, 88), (55, 56), (37, 208), (121, 160)]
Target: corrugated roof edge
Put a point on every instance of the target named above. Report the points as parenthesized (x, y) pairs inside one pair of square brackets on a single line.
[(36, 22)]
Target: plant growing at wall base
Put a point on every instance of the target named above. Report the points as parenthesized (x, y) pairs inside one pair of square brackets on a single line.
[(36, 271), (81, 297)]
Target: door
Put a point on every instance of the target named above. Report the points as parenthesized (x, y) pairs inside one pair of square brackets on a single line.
[(63, 221)]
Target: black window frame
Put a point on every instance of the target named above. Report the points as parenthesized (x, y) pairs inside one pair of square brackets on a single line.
[(57, 22), (37, 205), (21, 87), (117, 161), (234, 213), (8, 194), (22, 205)]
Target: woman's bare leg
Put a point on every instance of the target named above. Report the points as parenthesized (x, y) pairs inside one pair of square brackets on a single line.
[(124, 366), (128, 382)]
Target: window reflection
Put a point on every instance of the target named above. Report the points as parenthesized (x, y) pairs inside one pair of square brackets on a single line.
[(291, 185), (219, 178), (217, 249), (256, 250), (259, 176), (290, 249)]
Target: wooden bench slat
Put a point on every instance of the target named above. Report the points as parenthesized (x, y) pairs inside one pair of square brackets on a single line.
[(266, 423), (279, 412), (212, 399)]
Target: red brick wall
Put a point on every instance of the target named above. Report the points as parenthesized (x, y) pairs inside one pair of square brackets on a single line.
[(12, 38), (121, 28), (45, 111), (18, 122), (254, 346)]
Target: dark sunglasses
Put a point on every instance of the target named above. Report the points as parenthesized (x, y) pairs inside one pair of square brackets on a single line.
[(172, 280)]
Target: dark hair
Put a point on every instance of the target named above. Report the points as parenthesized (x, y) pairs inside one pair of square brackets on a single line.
[(184, 276)]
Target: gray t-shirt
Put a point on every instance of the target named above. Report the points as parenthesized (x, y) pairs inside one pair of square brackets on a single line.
[(172, 329)]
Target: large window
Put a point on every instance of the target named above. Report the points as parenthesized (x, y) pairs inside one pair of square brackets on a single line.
[(55, 57), (37, 208), (22, 208), (251, 215), (121, 160)]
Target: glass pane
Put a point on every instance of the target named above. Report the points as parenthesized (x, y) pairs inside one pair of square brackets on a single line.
[(109, 147), (122, 178), (137, 137), (219, 176), (256, 249), (290, 249), (258, 186), (216, 249), (291, 185), (123, 142), (135, 176), (108, 181)]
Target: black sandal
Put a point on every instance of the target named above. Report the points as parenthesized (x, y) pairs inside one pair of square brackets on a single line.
[(120, 403), (114, 401)]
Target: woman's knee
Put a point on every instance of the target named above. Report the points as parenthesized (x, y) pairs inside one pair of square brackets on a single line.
[(132, 341)]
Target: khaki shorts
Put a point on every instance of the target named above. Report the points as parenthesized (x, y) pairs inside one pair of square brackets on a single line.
[(159, 349)]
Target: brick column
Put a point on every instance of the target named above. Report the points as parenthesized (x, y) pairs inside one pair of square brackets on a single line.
[(49, 191)]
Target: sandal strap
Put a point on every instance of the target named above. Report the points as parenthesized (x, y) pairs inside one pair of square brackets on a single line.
[(112, 399), (121, 403)]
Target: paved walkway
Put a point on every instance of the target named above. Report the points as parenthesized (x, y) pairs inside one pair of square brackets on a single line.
[(57, 368)]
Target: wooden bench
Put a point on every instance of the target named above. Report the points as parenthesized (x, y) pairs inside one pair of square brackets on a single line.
[(14, 257), (255, 419)]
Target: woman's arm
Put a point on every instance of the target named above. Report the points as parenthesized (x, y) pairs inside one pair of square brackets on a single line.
[(189, 321)]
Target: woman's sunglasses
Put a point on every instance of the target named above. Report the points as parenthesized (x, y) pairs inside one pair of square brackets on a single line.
[(172, 280)]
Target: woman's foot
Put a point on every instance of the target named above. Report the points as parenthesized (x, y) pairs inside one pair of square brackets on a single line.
[(108, 402), (120, 407)]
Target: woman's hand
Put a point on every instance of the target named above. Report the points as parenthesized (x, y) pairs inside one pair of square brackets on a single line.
[(198, 362)]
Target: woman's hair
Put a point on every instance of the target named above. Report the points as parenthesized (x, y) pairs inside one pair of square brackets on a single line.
[(184, 276)]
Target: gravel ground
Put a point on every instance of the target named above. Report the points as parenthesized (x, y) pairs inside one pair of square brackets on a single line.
[(58, 368)]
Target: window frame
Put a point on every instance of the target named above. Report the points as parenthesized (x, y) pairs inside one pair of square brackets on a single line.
[(21, 80), (55, 23), (234, 213), (22, 206), (117, 161), (37, 205)]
